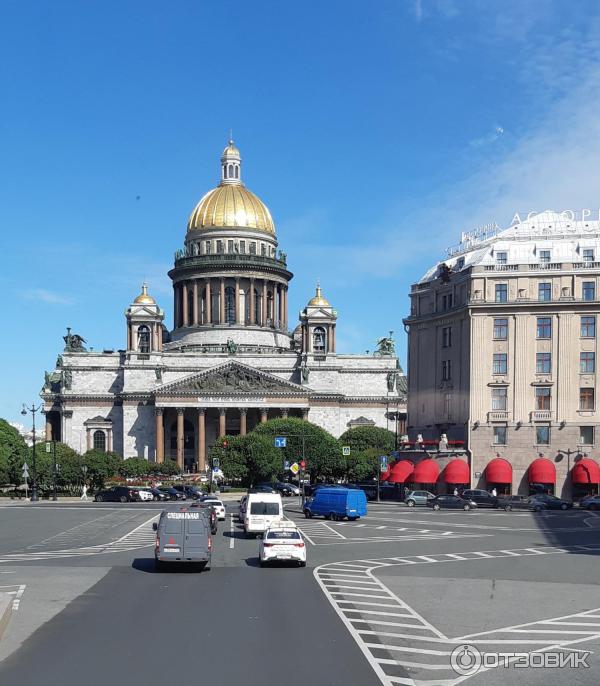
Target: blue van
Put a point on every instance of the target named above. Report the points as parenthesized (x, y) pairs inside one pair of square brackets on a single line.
[(337, 503)]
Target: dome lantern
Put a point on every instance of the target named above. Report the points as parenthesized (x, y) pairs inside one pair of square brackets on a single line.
[(231, 164)]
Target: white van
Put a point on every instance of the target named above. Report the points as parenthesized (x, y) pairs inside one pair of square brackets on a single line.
[(261, 510)]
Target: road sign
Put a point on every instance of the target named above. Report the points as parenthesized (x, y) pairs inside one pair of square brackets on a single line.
[(302, 464), (48, 447), (294, 468), (286, 464), (383, 463), (346, 450), (216, 463), (280, 441), (25, 470)]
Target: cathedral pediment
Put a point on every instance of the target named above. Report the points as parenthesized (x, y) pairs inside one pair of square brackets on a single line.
[(231, 378)]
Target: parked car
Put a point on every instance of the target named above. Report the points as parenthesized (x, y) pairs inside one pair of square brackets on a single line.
[(182, 536), (591, 502), (191, 492), (210, 511), (118, 494), (282, 542), (172, 493), (518, 502), (418, 498), (262, 488), (481, 497), (451, 502), (158, 495), (337, 503), (551, 502), (145, 493)]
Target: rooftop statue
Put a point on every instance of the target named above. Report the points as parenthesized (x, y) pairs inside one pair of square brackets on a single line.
[(73, 342), (386, 346)]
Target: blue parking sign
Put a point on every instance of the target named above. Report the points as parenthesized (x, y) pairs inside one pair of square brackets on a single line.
[(280, 441), (383, 463)]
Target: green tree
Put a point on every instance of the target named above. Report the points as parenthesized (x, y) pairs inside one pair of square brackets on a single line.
[(250, 458), (323, 453), (361, 438), (363, 466), (166, 468), (134, 467), (101, 466), (13, 452)]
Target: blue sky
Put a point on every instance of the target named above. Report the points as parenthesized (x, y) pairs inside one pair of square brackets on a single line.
[(375, 131)]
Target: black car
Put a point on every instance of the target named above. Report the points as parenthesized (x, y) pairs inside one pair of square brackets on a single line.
[(207, 507), (279, 487), (118, 494), (158, 495), (590, 502), (481, 497), (519, 502), (451, 502), (262, 488), (190, 492), (550, 502), (172, 493)]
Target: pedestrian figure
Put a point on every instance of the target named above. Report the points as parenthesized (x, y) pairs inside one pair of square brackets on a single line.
[(84, 492), (455, 491), (494, 492), (406, 492)]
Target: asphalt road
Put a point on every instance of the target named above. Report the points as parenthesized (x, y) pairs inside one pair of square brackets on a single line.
[(382, 601)]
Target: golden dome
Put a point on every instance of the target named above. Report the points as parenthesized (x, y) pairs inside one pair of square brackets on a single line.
[(230, 150), (143, 298), (318, 300), (231, 205)]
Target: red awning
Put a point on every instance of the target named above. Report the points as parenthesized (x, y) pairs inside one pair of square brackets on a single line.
[(542, 471), (456, 472), (401, 470), (426, 472), (386, 475), (586, 471), (498, 471)]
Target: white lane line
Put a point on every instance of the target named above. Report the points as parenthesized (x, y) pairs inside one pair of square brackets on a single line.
[(232, 531)]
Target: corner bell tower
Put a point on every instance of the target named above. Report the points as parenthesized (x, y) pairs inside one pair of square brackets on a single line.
[(144, 324), (318, 321)]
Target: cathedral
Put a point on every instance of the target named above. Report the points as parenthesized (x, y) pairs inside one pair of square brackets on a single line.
[(230, 361)]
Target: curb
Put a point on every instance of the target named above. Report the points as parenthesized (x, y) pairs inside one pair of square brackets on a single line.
[(6, 607)]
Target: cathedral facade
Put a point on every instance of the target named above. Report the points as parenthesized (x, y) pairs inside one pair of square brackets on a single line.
[(230, 361)]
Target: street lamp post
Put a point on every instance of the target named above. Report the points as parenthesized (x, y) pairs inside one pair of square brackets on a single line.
[(568, 453), (33, 409)]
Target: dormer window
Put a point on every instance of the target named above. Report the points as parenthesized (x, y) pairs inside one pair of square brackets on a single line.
[(460, 263), (501, 257), (588, 254), (545, 256)]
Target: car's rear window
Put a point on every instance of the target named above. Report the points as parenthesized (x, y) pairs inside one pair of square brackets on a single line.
[(283, 534), (259, 508)]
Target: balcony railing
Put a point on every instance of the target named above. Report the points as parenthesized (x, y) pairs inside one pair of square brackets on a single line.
[(231, 259), (586, 265), (498, 415), (545, 265), (541, 415), (501, 267)]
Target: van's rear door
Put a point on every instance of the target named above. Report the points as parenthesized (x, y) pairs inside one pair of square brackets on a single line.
[(196, 537), (171, 537)]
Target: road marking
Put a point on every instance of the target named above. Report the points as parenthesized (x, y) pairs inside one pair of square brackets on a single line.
[(415, 634), (16, 591), (232, 531)]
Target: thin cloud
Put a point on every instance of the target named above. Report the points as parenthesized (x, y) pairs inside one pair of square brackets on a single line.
[(488, 139), (49, 297)]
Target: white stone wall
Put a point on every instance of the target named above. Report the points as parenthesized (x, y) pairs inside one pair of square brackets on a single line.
[(139, 431), (241, 336)]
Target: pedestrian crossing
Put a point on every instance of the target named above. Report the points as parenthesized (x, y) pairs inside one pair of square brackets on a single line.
[(142, 536), (404, 648), (16, 591)]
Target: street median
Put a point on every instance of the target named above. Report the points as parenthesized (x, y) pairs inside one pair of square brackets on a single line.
[(6, 606)]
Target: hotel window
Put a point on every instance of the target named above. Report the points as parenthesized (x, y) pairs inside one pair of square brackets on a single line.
[(446, 370), (545, 256), (501, 292), (545, 291), (588, 327), (499, 399), (589, 290), (499, 435), (500, 329), (544, 327), (242, 247), (447, 301), (542, 434), (586, 398), (588, 254), (500, 364), (447, 337), (501, 257), (542, 398), (460, 263), (587, 363), (543, 363), (586, 435)]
